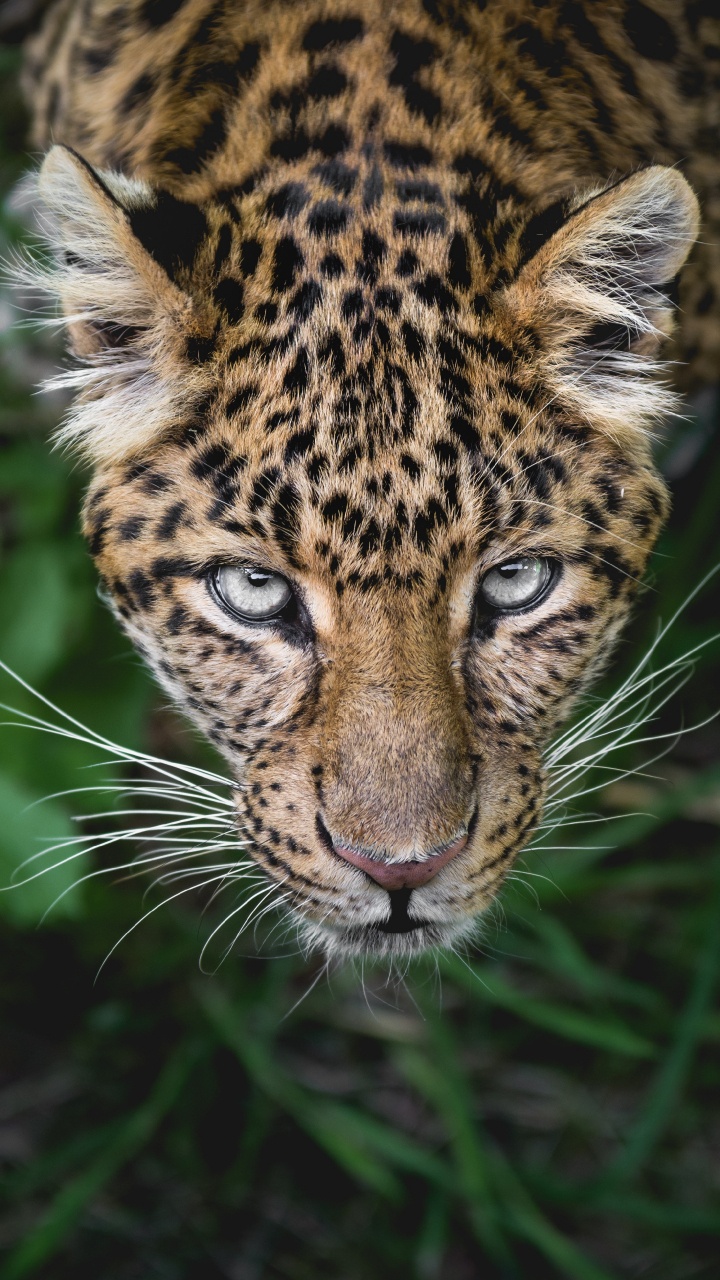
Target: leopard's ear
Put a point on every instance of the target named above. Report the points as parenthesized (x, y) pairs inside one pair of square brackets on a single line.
[(116, 245), (592, 294)]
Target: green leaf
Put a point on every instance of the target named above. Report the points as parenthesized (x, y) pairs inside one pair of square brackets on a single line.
[(26, 828), (40, 612), (35, 481)]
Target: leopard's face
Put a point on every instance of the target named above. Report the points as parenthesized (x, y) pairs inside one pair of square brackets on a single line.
[(386, 711), (389, 518)]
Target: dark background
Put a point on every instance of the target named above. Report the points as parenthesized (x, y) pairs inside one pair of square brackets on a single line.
[(548, 1107)]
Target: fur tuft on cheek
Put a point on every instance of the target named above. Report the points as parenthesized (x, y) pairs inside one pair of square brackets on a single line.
[(126, 319)]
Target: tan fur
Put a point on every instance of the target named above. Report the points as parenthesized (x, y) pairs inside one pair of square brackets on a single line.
[(372, 296)]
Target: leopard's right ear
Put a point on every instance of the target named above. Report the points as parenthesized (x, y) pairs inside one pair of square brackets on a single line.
[(118, 247)]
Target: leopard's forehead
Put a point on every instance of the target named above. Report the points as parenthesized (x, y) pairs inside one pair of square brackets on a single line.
[(356, 370), (364, 405), (356, 265)]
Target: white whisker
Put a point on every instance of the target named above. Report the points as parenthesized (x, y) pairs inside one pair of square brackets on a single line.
[(186, 834)]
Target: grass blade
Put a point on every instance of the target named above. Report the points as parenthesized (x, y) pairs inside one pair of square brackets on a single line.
[(561, 1020), (130, 1136), (671, 1075), (328, 1126)]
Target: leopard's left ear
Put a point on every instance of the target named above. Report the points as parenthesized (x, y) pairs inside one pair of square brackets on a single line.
[(118, 245), (592, 294)]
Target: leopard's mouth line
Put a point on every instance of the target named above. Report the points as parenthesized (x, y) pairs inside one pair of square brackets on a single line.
[(398, 933), (399, 920), (376, 939)]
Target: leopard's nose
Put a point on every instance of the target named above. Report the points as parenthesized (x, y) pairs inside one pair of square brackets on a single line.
[(402, 875)]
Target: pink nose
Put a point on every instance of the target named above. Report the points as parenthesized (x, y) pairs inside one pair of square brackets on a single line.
[(402, 875)]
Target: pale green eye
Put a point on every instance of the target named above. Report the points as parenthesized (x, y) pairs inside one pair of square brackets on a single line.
[(516, 584), (253, 594)]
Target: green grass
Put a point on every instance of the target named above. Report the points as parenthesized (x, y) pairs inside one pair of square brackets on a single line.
[(548, 1108)]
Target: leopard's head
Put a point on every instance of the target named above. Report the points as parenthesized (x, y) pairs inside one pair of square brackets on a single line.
[(372, 495)]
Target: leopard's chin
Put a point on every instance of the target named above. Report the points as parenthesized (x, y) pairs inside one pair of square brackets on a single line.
[(388, 939)]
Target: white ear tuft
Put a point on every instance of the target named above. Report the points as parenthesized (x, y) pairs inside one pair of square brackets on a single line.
[(121, 309), (593, 294)]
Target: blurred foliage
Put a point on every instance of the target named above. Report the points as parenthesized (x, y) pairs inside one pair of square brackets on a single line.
[(547, 1108)]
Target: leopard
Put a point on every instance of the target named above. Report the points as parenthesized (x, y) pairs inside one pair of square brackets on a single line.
[(372, 308)]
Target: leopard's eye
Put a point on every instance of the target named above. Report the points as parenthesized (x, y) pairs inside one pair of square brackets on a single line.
[(254, 595), (516, 584)]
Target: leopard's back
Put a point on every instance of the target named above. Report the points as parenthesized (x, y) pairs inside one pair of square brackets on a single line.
[(203, 96)]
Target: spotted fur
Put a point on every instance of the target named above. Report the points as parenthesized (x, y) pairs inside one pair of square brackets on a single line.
[(373, 296)]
